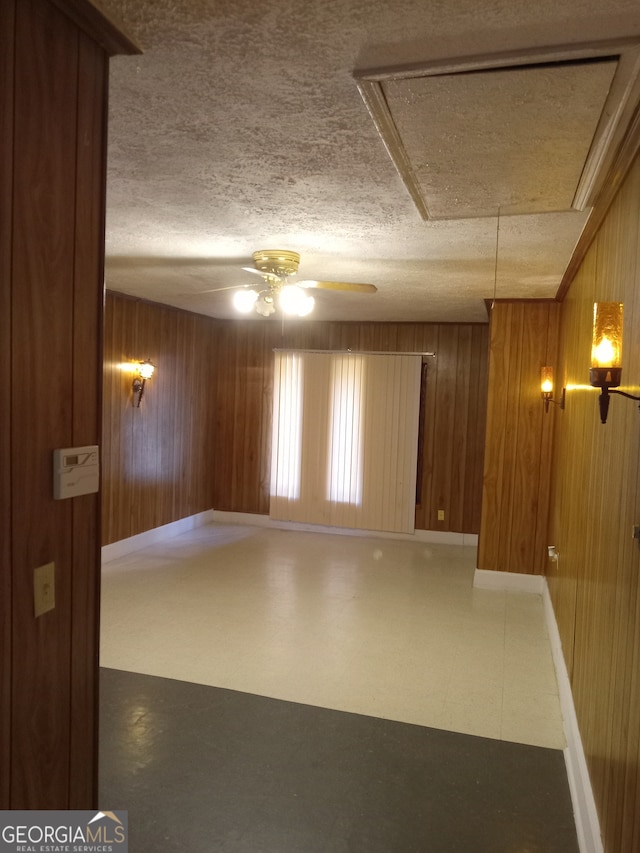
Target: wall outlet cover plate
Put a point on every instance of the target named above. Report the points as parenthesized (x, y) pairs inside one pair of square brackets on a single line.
[(44, 589)]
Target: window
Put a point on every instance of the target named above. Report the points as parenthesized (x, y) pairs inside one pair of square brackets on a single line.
[(345, 429), (345, 432), (286, 451)]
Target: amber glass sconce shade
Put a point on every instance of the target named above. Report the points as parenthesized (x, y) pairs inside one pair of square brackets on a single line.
[(606, 346), (546, 389), (606, 353)]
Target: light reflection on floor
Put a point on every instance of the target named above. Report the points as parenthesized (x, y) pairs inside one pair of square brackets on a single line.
[(387, 628)]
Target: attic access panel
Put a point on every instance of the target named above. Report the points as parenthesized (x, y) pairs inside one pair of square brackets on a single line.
[(529, 133)]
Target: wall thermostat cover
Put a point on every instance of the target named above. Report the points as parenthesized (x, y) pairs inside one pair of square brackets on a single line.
[(76, 471)]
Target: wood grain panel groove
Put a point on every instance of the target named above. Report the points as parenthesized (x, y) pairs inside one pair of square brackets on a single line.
[(52, 163), (234, 465), (7, 63), (90, 191), (454, 421), (43, 303), (595, 502), (158, 459), (517, 462)]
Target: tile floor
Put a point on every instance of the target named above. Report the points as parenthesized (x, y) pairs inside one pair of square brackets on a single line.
[(208, 770), (387, 628)]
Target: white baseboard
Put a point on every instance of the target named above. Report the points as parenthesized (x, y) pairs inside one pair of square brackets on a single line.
[(514, 581), (158, 534), (433, 536), (584, 806)]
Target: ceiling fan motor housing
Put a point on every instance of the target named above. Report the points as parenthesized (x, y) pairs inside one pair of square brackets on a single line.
[(278, 262)]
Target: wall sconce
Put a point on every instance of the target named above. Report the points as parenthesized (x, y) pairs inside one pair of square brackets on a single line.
[(145, 370), (606, 353), (546, 388)]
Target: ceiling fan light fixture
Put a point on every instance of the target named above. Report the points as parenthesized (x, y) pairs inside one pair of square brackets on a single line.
[(277, 262), (264, 305), (244, 300), (294, 301), (276, 266), (307, 306)]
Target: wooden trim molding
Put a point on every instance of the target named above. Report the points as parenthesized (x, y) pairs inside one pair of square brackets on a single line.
[(376, 103), (106, 32), (609, 155), (627, 153), (489, 303)]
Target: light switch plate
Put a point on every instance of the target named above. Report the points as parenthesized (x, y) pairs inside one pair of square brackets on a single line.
[(44, 588)]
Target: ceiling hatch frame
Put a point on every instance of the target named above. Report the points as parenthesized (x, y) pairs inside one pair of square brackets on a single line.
[(607, 145)]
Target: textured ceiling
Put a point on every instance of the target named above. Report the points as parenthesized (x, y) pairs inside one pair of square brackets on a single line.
[(241, 127), (474, 156)]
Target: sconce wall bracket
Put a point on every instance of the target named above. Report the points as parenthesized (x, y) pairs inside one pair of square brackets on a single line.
[(604, 398), (138, 390), (620, 394), (608, 379), (546, 396)]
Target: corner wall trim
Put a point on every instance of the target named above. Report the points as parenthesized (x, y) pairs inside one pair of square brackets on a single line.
[(157, 534), (433, 536)]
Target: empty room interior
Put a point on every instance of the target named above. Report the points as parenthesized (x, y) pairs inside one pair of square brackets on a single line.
[(319, 391)]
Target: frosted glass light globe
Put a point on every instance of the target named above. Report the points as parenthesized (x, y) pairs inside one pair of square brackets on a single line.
[(306, 305), (244, 300), (293, 300)]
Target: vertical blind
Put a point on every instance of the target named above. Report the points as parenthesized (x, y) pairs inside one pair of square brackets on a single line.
[(345, 435)]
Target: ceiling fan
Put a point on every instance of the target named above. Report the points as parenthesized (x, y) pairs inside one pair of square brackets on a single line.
[(276, 266)]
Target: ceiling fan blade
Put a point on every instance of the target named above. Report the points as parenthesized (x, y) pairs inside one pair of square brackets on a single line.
[(253, 270), (214, 290), (339, 285), (161, 262)]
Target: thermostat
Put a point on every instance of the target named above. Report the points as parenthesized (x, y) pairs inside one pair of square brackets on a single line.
[(76, 471)]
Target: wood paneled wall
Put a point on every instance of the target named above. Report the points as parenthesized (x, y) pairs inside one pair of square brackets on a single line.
[(157, 463), (517, 462), (53, 98), (595, 503), (7, 48), (455, 409)]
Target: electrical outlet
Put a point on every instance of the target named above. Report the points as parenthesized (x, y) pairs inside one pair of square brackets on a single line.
[(44, 588), (440, 515)]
